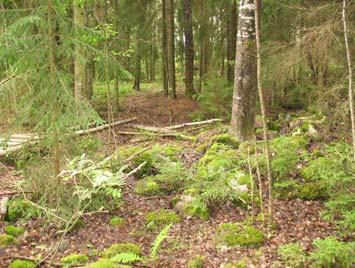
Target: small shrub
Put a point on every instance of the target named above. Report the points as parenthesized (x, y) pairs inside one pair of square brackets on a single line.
[(22, 264), (122, 248), (74, 260), (171, 177), (197, 208), (237, 234), (90, 144), (330, 252), (292, 255), (14, 231), (160, 218), (196, 262), (7, 240), (116, 221)]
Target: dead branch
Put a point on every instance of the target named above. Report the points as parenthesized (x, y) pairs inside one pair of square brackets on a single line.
[(206, 122), (99, 128)]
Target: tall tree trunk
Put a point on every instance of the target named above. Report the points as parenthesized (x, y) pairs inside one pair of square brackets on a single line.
[(350, 75), (189, 49), (165, 51), (90, 65), (137, 69), (171, 46), (231, 42), (79, 52), (245, 89)]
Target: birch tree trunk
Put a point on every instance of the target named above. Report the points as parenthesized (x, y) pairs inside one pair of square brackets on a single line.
[(171, 46), (350, 75), (189, 49), (79, 52), (245, 82)]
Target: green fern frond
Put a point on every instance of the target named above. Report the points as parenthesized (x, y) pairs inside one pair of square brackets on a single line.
[(159, 239), (126, 258)]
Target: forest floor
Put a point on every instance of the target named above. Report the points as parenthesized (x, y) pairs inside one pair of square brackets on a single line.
[(294, 220)]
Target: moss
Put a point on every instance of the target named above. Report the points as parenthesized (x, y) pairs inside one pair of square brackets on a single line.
[(285, 190), (161, 217), (19, 208), (22, 264), (116, 221), (239, 264), (312, 191), (147, 187), (227, 139), (14, 231), (122, 248), (236, 234), (7, 240), (105, 263), (196, 262), (74, 260), (198, 209)]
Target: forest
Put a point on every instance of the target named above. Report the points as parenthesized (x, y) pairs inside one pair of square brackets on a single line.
[(177, 133)]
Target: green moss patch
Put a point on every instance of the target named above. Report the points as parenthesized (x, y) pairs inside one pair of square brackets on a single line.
[(20, 209), (196, 262), (22, 264), (14, 231), (227, 139), (119, 248), (147, 187), (7, 240), (161, 217), (116, 221), (102, 263), (237, 234), (239, 264), (74, 259)]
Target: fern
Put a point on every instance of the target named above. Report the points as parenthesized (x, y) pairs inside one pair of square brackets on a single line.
[(159, 239), (126, 258)]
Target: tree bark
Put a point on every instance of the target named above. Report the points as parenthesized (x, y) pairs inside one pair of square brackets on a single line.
[(231, 42), (189, 49), (245, 89), (171, 46), (79, 52), (165, 51), (350, 74)]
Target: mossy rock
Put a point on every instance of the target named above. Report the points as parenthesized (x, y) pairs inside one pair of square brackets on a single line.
[(7, 240), (74, 260), (160, 218), (122, 248), (147, 187), (22, 264), (312, 191), (227, 139), (196, 262), (14, 230), (238, 234), (116, 221), (171, 152), (105, 263)]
